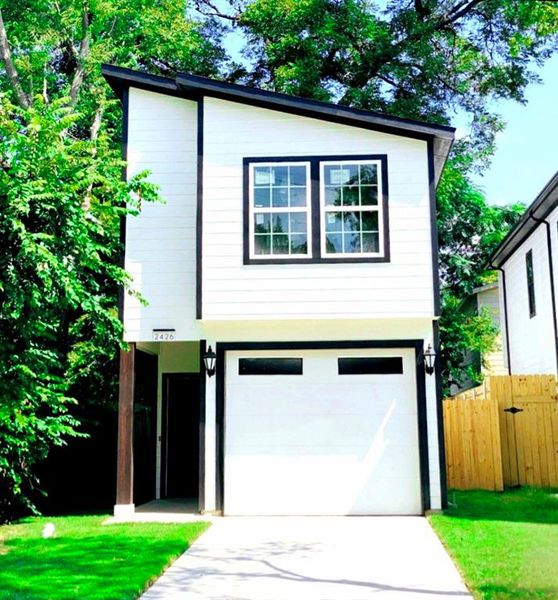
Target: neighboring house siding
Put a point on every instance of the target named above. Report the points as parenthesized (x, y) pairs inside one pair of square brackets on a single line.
[(553, 220), (532, 347), (161, 241), (495, 362), (231, 290)]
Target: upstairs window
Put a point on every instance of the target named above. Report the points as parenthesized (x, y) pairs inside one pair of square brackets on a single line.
[(530, 283), (351, 213), (316, 209), (280, 210)]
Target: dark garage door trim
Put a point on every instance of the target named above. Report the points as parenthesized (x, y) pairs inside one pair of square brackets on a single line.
[(224, 347)]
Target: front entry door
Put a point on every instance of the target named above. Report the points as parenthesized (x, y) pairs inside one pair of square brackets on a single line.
[(180, 436)]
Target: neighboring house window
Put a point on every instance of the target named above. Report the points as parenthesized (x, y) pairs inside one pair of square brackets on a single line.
[(351, 214), (316, 209), (280, 210), (530, 283)]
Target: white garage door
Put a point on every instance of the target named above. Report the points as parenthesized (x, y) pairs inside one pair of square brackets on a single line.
[(339, 439)]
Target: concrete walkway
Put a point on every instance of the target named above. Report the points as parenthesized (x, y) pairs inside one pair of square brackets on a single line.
[(313, 558)]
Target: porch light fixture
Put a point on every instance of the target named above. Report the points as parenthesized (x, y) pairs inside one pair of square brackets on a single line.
[(209, 361), (429, 360)]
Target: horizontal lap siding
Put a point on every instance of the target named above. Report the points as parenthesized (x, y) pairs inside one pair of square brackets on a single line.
[(532, 346), (161, 241), (232, 290)]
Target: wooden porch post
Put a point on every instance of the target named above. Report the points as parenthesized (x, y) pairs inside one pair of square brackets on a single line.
[(125, 453)]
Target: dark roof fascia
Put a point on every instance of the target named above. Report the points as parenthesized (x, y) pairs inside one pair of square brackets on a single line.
[(194, 86), (120, 78), (542, 206), (287, 103)]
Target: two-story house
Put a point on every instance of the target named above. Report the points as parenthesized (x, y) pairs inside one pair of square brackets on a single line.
[(297, 241), (527, 262)]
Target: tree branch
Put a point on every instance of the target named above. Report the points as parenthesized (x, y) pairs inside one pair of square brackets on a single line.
[(460, 10), (93, 135), (6, 55), (214, 11), (82, 56)]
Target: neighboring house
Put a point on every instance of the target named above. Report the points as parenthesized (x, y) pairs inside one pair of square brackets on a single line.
[(527, 260), (298, 241), (484, 299)]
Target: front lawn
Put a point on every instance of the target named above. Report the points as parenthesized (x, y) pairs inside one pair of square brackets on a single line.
[(505, 544), (85, 559)]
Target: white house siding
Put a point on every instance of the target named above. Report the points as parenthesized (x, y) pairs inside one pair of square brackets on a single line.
[(231, 290), (161, 241), (532, 346)]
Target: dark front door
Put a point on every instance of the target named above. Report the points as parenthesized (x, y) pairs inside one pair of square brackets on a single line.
[(145, 427), (180, 436)]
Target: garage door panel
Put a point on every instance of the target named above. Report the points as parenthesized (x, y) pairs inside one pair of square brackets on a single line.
[(319, 430), (312, 489), (304, 399), (320, 442)]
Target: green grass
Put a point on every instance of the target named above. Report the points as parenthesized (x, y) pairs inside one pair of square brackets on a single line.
[(505, 544), (85, 559)]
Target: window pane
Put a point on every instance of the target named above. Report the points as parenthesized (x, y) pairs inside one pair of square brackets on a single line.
[(369, 221), (340, 174), (351, 243), (298, 222), (370, 242), (280, 223), (333, 196), (299, 244), (262, 223), (262, 176), (368, 174), (270, 366), (351, 222), (334, 221), (280, 197), (298, 196), (350, 196), (262, 244), (280, 175), (280, 244), (334, 243), (384, 365), (261, 197), (368, 195), (298, 175)]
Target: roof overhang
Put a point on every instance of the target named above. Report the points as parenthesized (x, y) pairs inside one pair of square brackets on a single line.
[(542, 206), (194, 87)]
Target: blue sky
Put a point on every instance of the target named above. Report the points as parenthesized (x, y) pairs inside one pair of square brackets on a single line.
[(527, 150)]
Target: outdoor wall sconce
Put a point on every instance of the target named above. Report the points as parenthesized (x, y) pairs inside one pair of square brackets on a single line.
[(209, 359), (429, 360)]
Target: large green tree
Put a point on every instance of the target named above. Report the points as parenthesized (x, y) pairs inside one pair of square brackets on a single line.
[(61, 200)]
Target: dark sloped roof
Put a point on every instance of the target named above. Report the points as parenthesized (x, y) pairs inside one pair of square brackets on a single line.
[(542, 206), (193, 86)]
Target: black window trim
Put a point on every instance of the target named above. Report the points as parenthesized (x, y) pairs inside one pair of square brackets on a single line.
[(530, 275), (315, 212)]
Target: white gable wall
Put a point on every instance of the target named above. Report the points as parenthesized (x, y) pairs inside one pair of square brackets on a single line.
[(161, 241), (231, 290), (532, 346)]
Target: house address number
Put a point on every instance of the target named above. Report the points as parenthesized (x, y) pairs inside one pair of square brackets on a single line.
[(163, 335)]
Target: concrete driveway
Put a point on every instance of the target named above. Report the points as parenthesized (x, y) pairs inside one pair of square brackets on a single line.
[(313, 558)]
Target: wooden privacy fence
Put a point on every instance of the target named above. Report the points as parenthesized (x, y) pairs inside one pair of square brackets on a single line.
[(503, 433)]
